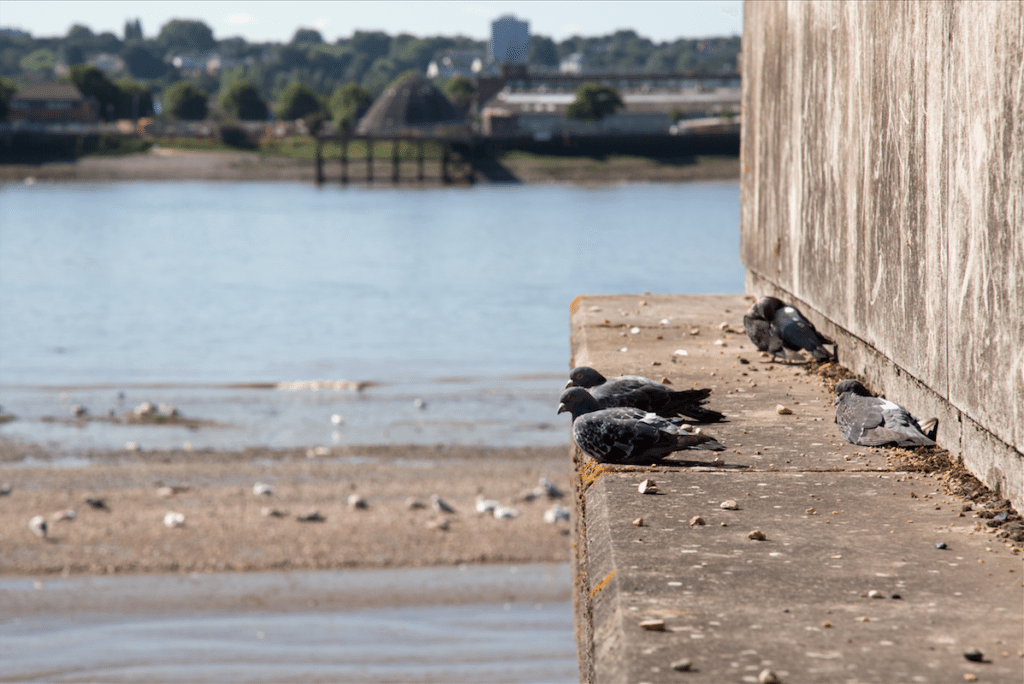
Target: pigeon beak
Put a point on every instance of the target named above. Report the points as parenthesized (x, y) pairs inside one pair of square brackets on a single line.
[(562, 408), (568, 384)]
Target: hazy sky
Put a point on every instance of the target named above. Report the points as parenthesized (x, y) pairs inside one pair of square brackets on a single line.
[(277, 21)]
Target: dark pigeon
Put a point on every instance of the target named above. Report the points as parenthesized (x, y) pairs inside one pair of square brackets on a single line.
[(614, 435), (872, 421), (780, 329), (645, 394)]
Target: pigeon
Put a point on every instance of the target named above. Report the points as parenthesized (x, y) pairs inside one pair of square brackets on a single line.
[(873, 421), (775, 327), (614, 435), (643, 393)]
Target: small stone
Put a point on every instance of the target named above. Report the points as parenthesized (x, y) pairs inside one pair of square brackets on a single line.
[(730, 505), (720, 343), (874, 593), (442, 524), (811, 511), (412, 503), (310, 516), (783, 410), (826, 624), (896, 596), (756, 535), (684, 665), (864, 618), (970, 677), (648, 487), (268, 512), (974, 655), (768, 677), (940, 545), (639, 522), (695, 331), (680, 352), (262, 489), (697, 520), (654, 625), (356, 502)]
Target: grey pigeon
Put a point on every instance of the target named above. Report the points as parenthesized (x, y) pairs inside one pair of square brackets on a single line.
[(775, 327), (643, 393), (872, 421), (614, 435)]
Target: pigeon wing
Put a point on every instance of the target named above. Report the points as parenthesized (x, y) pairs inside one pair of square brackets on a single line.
[(797, 332)]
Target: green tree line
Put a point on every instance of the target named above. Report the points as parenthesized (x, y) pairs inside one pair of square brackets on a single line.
[(257, 75)]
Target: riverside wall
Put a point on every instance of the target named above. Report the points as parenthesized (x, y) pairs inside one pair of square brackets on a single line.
[(882, 191)]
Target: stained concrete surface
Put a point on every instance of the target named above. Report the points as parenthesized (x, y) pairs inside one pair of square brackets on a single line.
[(839, 523)]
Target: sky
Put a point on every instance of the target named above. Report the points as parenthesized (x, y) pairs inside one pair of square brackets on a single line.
[(266, 21)]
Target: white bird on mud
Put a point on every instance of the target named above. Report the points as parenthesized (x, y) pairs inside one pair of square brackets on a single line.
[(485, 505), (38, 526), (556, 513), (505, 512), (174, 519)]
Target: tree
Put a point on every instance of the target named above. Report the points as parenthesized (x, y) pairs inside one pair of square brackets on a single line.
[(543, 52), (242, 101), (184, 101), (136, 100), (303, 35), (7, 91), (187, 35), (133, 30), (460, 91), (297, 101), (594, 102), (141, 63), (348, 103), (94, 83)]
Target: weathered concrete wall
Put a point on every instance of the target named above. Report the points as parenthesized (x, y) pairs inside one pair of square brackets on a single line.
[(883, 189)]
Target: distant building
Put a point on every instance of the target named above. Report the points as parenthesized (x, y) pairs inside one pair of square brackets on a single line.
[(108, 64), (573, 64), (456, 63), (53, 103), (411, 107), (510, 40)]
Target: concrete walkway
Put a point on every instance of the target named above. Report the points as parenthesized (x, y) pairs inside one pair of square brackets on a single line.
[(848, 584)]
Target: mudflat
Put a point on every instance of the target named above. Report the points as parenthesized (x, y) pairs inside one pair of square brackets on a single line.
[(227, 526)]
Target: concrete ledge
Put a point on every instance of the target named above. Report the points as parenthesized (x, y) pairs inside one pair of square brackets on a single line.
[(999, 465), (839, 524)]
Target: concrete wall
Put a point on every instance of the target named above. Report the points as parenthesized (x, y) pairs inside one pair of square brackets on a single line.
[(883, 190)]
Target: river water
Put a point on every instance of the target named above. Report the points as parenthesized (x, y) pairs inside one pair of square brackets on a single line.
[(228, 300), (240, 304)]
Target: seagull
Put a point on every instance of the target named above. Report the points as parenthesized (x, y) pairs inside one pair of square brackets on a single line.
[(549, 487), (174, 519), (262, 489), (614, 435), (38, 526), (643, 393), (775, 327), (485, 505), (505, 512), (873, 421), (556, 513), (440, 505), (356, 502)]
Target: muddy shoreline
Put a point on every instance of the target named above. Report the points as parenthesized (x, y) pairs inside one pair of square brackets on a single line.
[(162, 164), (228, 527)]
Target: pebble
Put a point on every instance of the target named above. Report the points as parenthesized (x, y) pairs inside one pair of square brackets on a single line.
[(639, 522), (653, 625), (442, 525), (262, 489), (78, 411), (874, 593), (310, 516), (67, 514), (811, 511), (974, 655), (783, 410), (412, 503), (768, 677), (940, 545), (268, 512), (684, 665), (756, 535), (697, 520), (356, 502), (648, 487), (730, 505), (6, 488)]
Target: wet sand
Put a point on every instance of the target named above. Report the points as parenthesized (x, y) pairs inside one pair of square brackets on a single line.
[(227, 527)]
